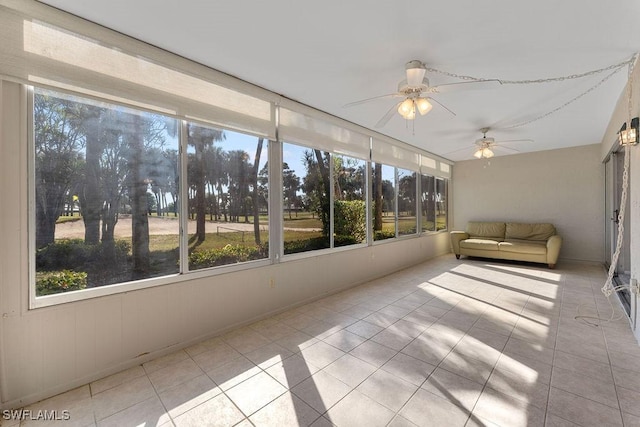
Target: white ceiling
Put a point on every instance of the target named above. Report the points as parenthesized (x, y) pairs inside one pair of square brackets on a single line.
[(332, 52)]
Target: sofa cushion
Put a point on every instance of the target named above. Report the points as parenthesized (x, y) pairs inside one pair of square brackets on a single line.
[(523, 247), (479, 244), (540, 232), (486, 230)]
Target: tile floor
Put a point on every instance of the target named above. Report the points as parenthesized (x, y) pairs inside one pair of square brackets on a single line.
[(444, 343)]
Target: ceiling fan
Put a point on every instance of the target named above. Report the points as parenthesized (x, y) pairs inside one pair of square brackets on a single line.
[(484, 147), (415, 90)]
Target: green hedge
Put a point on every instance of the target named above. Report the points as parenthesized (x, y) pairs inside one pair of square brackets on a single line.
[(55, 282), (229, 254), (74, 254)]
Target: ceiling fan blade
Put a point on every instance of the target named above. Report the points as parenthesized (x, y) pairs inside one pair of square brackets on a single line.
[(470, 147), (385, 119), (501, 147), (469, 85), (363, 101), (514, 140), (442, 105)]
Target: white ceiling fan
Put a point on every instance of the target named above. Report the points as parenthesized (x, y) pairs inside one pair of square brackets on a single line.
[(484, 147), (417, 93)]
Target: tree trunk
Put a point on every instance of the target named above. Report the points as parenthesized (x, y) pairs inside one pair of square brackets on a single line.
[(326, 187), (90, 197), (138, 191), (200, 188), (377, 223), (256, 207)]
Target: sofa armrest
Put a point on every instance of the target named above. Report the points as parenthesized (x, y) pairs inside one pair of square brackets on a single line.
[(553, 250), (456, 237)]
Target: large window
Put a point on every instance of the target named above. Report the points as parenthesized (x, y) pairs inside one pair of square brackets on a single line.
[(306, 198), (110, 201), (227, 204), (407, 210), (106, 193)]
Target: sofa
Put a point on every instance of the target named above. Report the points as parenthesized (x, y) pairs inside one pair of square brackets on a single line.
[(508, 240)]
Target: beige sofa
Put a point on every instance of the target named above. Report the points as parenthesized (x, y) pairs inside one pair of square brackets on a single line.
[(511, 240)]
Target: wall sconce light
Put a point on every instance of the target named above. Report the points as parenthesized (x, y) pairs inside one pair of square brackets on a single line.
[(629, 136)]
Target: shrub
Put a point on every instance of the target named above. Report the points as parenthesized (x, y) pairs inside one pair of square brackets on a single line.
[(350, 220), (383, 234), (55, 282), (75, 254), (229, 254), (311, 244)]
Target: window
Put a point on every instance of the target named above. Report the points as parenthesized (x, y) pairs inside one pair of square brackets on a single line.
[(383, 202), (407, 213), (441, 204), (227, 200), (428, 202), (306, 198), (106, 192), (350, 203)]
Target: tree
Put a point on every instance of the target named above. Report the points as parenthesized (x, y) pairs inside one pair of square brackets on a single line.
[(90, 195), (255, 193), (317, 185), (201, 137), (58, 160), (138, 194), (291, 185), (377, 194)]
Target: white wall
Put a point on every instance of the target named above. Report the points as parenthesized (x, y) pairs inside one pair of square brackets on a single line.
[(49, 350), (564, 187)]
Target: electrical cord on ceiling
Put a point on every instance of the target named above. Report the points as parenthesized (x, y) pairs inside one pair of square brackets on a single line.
[(615, 68)]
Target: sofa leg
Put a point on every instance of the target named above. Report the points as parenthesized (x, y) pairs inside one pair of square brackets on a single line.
[(552, 266), (457, 256)]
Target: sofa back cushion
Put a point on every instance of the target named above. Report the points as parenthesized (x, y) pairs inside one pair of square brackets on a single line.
[(521, 231), (486, 230)]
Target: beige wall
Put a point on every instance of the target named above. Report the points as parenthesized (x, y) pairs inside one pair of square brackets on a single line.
[(621, 115), (49, 350), (564, 187)]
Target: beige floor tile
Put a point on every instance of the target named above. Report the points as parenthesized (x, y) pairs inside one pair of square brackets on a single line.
[(630, 420), (164, 361), (400, 421), (256, 392), (350, 370), (458, 390), (582, 411), (297, 341), (268, 355), (216, 355), (203, 346), (321, 354), (626, 378), (149, 413), (387, 389), (292, 371), (521, 386), (321, 391), (583, 366), (408, 368), (72, 413), (245, 340), (233, 373), (468, 367), (427, 409), (356, 409), (121, 397), (364, 329), (555, 421), (344, 340), (286, 410), (373, 353), (179, 372), (116, 379), (505, 410), (183, 397), (531, 350), (585, 386), (629, 401), (217, 411), (394, 340)]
